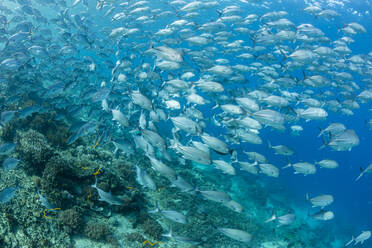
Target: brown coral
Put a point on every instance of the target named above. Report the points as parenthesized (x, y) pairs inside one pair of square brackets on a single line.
[(96, 231), (150, 226), (70, 220), (34, 150)]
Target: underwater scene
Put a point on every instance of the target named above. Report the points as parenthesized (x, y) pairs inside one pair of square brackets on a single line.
[(185, 123)]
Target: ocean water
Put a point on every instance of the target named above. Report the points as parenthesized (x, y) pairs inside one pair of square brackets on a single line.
[(96, 108)]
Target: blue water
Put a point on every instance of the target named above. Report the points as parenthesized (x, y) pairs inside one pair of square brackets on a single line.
[(353, 200)]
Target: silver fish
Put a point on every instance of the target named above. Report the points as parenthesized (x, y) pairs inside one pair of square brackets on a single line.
[(343, 141), (185, 124), (235, 206), (302, 168), (194, 154), (366, 170), (180, 239), (171, 215), (183, 185), (163, 169), (144, 179), (283, 220), (328, 163), (224, 166), (269, 170), (107, 196), (216, 196), (282, 150), (323, 215), (236, 234), (215, 143), (360, 238), (321, 200)]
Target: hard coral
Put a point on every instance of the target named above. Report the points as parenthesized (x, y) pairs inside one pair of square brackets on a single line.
[(56, 132), (34, 150), (96, 231), (70, 220), (150, 226), (135, 237), (60, 175)]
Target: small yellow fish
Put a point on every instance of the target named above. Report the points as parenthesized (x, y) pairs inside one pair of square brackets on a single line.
[(46, 210), (160, 189), (97, 172), (151, 244)]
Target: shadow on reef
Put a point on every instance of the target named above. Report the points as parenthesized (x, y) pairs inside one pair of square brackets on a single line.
[(58, 180)]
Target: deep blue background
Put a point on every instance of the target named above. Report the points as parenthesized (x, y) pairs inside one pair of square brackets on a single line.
[(353, 200)]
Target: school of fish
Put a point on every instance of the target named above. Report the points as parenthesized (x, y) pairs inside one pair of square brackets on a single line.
[(160, 79)]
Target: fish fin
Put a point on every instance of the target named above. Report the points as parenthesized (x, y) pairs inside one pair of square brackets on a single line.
[(351, 241), (325, 143), (116, 153), (156, 210), (284, 57), (361, 174), (320, 132), (287, 166), (95, 184), (307, 196), (273, 217), (169, 233)]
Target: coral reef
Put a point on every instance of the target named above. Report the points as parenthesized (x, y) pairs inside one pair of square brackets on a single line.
[(149, 225), (56, 132), (64, 178), (22, 223), (70, 220), (135, 237), (99, 231), (62, 181), (34, 150)]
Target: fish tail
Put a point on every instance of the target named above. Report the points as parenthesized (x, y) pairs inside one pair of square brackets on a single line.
[(156, 210), (215, 106), (287, 166), (361, 174), (351, 241), (320, 132), (95, 184), (169, 233), (284, 57), (273, 217), (325, 143)]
